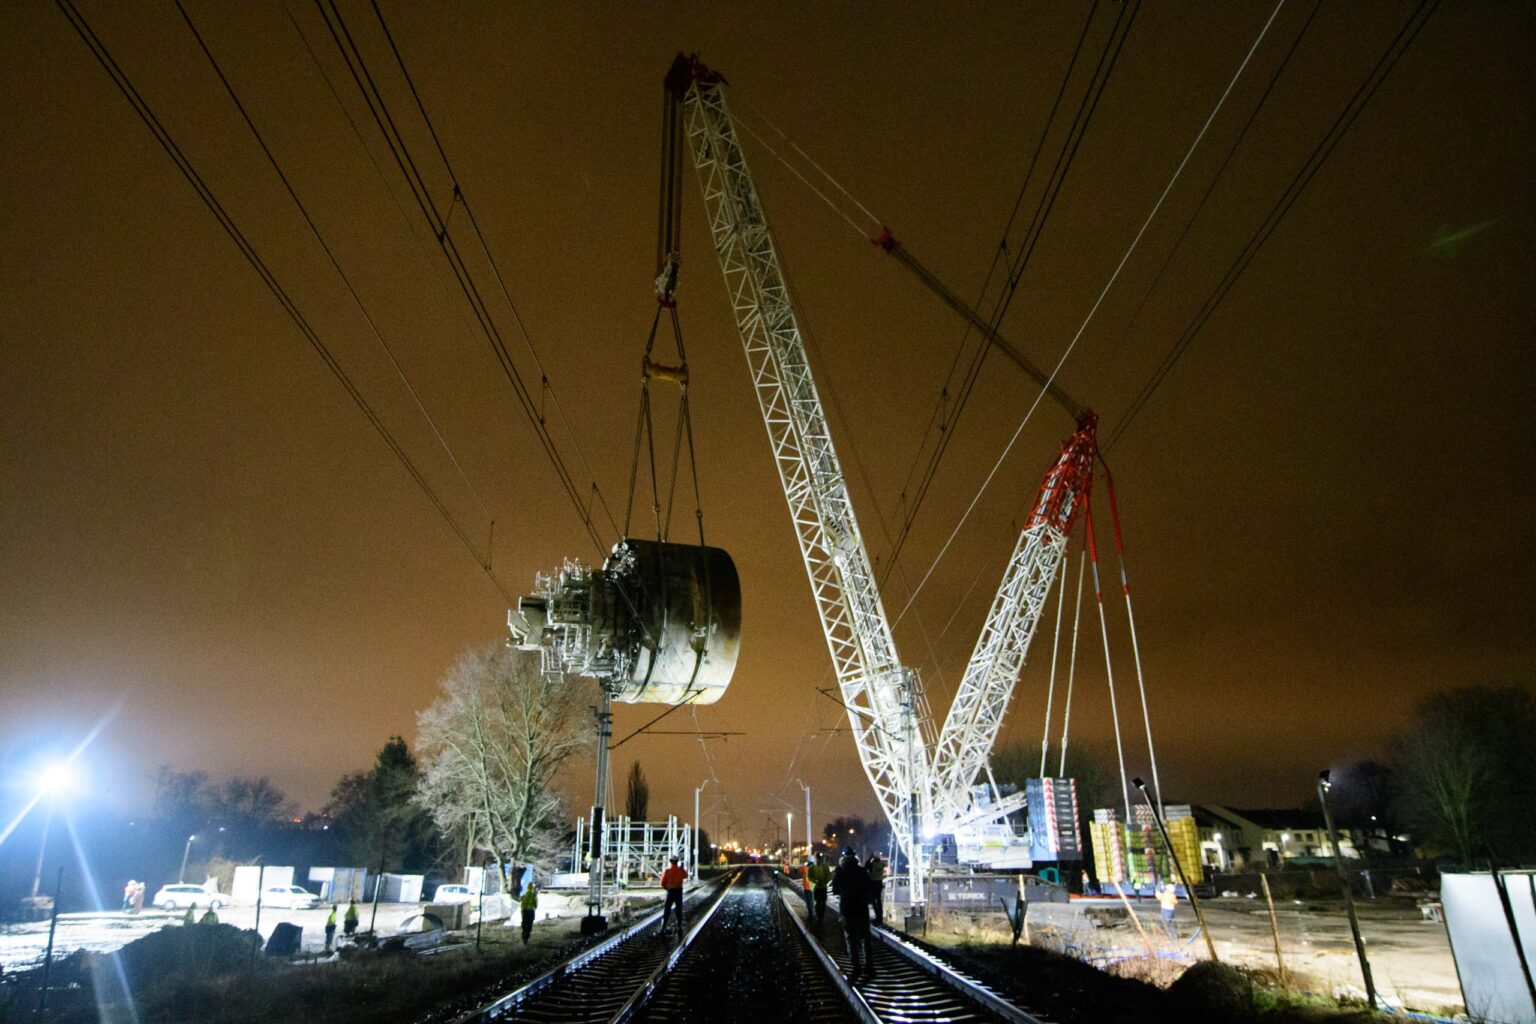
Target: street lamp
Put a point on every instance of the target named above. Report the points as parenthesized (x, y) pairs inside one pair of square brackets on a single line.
[(181, 876), (1323, 786), (789, 836)]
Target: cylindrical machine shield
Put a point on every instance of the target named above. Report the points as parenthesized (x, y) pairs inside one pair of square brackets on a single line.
[(684, 611)]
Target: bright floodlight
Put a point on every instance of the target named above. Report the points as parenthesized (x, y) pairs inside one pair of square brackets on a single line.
[(56, 779)]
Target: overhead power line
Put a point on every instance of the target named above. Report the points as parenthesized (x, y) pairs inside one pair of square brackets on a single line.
[(421, 192), (330, 254), (141, 107), (1298, 184)]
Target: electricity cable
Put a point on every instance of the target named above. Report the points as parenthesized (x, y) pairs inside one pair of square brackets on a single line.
[(330, 254), (400, 151), (474, 224), (1130, 249), (1298, 184), (163, 137)]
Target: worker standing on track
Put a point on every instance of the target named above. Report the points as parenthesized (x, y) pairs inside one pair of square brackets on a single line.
[(805, 883), (876, 869), (819, 874), (672, 881), (854, 891), (330, 928)]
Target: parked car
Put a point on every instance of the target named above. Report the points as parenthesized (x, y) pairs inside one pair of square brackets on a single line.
[(174, 897), (293, 897), (454, 894)]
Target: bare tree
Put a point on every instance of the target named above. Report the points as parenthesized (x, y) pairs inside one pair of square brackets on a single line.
[(491, 745), (1463, 772), (637, 794)]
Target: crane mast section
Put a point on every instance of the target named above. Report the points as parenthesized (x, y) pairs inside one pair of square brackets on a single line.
[(877, 690), (976, 715)]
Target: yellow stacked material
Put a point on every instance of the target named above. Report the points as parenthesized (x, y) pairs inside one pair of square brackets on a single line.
[(1184, 834), (1108, 840)]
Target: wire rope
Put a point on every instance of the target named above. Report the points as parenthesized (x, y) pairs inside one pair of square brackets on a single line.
[(1050, 692), (1298, 184), (1077, 618), (162, 136), (1109, 667)]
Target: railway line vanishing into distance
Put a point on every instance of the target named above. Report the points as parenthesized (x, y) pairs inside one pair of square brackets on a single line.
[(748, 953)]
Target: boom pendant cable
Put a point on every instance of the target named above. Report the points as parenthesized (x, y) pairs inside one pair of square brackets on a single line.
[(1077, 618), (1050, 692)]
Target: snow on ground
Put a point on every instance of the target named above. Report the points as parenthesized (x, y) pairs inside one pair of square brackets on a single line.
[(23, 945)]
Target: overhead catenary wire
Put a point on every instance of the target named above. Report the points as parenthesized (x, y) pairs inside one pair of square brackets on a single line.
[(1130, 249), (378, 109), (1340, 126), (210, 200), (330, 254), (1210, 188), (474, 223)]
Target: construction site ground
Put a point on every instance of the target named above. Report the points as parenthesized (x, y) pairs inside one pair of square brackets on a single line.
[(1410, 956)]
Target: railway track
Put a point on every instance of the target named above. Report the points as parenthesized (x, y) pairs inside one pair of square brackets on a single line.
[(748, 955)]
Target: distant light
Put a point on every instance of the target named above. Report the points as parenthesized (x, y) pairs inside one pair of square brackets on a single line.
[(1285, 837), (1217, 837)]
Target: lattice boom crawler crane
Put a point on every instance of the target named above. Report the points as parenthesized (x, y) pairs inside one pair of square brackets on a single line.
[(924, 783)]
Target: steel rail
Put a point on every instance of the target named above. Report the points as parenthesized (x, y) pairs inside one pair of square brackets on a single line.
[(647, 989), (852, 996), (567, 968), (940, 972), (972, 989)]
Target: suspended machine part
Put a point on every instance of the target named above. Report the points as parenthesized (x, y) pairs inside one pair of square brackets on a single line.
[(657, 624)]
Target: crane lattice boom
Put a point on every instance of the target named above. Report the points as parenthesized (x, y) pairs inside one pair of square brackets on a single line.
[(875, 687)]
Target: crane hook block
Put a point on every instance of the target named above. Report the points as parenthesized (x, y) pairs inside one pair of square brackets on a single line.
[(659, 623)]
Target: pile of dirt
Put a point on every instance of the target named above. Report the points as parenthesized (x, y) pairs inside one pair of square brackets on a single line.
[(200, 950), (1213, 991)]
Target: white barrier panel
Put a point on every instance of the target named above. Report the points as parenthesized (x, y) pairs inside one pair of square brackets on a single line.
[(1492, 982)]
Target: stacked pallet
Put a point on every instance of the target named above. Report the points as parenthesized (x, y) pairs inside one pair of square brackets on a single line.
[(1184, 834), (1108, 838)]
